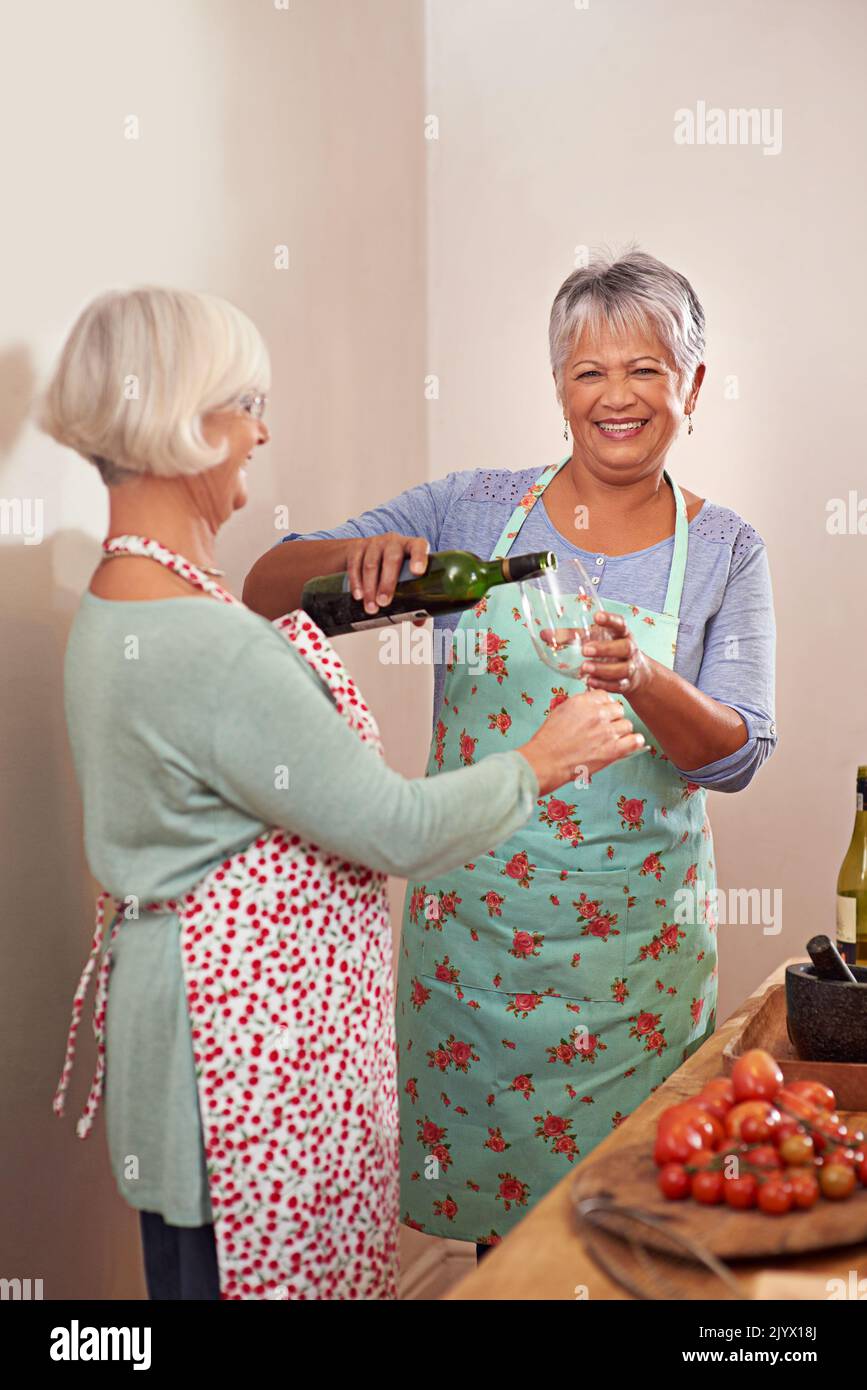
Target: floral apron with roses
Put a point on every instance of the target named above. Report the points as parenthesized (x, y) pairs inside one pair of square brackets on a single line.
[(548, 987), (286, 953)]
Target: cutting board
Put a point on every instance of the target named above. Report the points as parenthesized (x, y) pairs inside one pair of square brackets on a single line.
[(628, 1173)]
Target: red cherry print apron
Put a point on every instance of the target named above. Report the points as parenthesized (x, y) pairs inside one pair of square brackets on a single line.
[(547, 988), (287, 963)]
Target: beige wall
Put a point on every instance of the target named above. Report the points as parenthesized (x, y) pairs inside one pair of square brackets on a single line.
[(410, 257)]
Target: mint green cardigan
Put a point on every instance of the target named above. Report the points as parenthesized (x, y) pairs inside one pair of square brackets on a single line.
[(179, 711)]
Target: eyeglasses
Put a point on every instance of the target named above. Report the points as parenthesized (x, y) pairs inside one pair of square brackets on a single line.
[(254, 405)]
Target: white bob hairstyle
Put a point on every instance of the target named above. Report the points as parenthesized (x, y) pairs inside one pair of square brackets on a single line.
[(632, 291), (140, 369)]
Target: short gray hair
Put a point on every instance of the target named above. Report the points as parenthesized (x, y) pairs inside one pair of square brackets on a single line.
[(632, 291), (139, 370)]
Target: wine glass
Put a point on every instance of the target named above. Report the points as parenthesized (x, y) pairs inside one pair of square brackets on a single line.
[(560, 608)]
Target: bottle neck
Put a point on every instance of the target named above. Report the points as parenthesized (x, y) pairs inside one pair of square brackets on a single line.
[(517, 567)]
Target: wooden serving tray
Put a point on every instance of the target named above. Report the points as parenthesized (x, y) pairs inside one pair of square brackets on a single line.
[(628, 1174), (766, 1028)]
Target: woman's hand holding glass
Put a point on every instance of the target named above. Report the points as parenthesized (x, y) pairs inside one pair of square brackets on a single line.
[(580, 736), (613, 660), (573, 634)]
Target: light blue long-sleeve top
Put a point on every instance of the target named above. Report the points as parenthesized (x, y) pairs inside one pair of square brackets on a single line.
[(727, 635)]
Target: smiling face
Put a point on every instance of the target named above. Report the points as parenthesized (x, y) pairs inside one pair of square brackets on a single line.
[(243, 434), (621, 395)]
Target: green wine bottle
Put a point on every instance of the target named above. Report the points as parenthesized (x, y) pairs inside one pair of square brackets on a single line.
[(453, 580), (852, 884)]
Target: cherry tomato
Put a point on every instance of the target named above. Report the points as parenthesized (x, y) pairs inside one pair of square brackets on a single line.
[(676, 1143), (796, 1150), (718, 1097), (815, 1092), (707, 1187), (763, 1156), (862, 1171), (791, 1104), (753, 1129), (756, 1076), (829, 1129), (673, 1181), (714, 1104), (720, 1085), (669, 1114), (695, 1114), (804, 1185), (836, 1181), (705, 1158), (839, 1154), (788, 1126), (741, 1192), (775, 1195), (766, 1115)]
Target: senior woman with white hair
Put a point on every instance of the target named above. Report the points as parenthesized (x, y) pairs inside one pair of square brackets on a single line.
[(239, 814), (562, 976)]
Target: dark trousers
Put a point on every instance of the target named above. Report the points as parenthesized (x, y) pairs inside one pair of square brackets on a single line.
[(179, 1261)]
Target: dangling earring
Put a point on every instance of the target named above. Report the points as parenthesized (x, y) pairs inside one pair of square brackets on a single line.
[(565, 427), (689, 418)]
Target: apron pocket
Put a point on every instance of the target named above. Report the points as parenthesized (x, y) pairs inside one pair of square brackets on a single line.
[(512, 927)]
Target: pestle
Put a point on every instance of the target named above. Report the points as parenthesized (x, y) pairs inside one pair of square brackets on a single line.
[(828, 963)]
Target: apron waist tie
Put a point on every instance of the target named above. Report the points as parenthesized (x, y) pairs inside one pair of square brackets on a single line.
[(100, 1003)]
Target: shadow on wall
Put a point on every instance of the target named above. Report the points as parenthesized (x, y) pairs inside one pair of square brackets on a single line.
[(60, 1211), (17, 387)]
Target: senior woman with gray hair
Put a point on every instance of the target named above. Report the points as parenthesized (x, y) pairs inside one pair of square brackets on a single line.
[(548, 986), (240, 816)]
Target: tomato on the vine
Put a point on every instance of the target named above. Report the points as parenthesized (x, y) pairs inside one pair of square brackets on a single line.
[(836, 1181), (796, 1150), (765, 1116), (740, 1192), (815, 1092), (793, 1104), (804, 1185), (676, 1143), (674, 1181), (718, 1097), (756, 1076), (839, 1154), (763, 1156), (720, 1085), (705, 1158), (775, 1195), (788, 1126), (828, 1132), (707, 1187), (706, 1123)]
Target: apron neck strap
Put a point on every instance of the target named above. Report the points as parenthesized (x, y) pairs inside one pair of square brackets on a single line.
[(681, 544), (524, 507), (681, 531), (146, 547)]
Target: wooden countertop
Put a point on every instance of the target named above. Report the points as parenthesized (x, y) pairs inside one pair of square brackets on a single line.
[(545, 1258)]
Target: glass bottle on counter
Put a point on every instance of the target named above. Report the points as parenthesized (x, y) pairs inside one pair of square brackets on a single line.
[(454, 580), (852, 884)]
